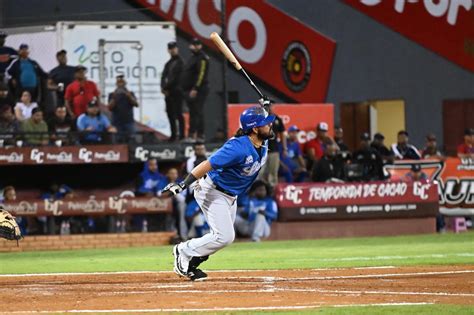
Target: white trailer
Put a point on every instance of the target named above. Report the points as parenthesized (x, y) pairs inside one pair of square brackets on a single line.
[(138, 50)]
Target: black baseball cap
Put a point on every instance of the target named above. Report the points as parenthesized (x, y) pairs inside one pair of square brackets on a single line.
[(120, 76), (469, 132), (172, 45), (196, 41), (80, 68), (61, 52), (403, 132), (431, 137), (93, 103), (416, 168), (365, 136), (24, 46), (379, 136), (35, 110)]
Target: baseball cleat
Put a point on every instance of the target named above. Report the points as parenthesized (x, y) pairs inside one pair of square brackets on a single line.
[(197, 275), (177, 265)]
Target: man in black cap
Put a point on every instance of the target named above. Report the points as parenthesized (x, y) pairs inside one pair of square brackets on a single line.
[(60, 77), (171, 88), (121, 104), (7, 54), (431, 149), (195, 86), (403, 150), (26, 75), (378, 145), (330, 168), (369, 159)]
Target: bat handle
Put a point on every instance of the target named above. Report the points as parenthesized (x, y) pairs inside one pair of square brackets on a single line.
[(242, 71)]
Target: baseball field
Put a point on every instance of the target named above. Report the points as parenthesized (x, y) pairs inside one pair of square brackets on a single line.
[(431, 274)]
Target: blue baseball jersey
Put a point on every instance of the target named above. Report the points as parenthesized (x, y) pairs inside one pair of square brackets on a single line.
[(236, 164), (267, 205)]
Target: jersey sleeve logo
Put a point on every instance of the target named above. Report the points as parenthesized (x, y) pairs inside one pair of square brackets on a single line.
[(249, 159)]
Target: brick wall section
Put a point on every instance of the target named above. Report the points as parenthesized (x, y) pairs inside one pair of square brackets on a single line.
[(65, 242)]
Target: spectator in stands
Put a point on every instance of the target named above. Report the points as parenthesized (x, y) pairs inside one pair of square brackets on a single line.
[(195, 88), (196, 219), (431, 149), (339, 139), (415, 174), (330, 168), (6, 97), (171, 88), (60, 77), (219, 136), (199, 155), (121, 104), (9, 193), (8, 126), (80, 93), (403, 150), (150, 180), (292, 166), (24, 108), (378, 145), (314, 149), (35, 128), (179, 205), (26, 74), (7, 54), (369, 159), (60, 127), (256, 219), (269, 171), (94, 124), (466, 149)]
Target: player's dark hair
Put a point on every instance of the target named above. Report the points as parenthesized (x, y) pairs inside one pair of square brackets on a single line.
[(240, 132)]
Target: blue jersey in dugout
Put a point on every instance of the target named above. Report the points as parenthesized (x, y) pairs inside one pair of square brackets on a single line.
[(235, 166), (267, 204)]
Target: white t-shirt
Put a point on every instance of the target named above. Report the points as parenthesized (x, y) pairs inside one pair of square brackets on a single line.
[(26, 110)]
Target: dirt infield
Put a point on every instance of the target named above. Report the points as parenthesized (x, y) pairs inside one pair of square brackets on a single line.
[(236, 290)]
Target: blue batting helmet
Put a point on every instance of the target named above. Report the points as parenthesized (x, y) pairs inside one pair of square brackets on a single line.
[(255, 117)]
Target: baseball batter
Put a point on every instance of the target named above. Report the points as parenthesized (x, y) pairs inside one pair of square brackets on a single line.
[(229, 172)]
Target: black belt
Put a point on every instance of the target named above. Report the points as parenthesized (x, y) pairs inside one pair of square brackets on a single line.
[(219, 188)]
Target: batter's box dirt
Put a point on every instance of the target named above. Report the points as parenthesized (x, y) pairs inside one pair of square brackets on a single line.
[(237, 290)]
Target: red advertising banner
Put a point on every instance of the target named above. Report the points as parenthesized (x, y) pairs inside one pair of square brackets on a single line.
[(64, 155), (278, 49), (455, 179), (305, 116), (310, 201), (445, 27), (88, 206)]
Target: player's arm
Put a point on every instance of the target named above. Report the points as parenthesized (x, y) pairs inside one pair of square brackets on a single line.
[(197, 172)]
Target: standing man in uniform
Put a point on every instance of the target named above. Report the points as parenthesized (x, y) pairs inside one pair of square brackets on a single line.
[(171, 88), (195, 86), (229, 172)]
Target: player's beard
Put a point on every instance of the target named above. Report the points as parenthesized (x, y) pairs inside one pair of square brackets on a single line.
[(265, 136)]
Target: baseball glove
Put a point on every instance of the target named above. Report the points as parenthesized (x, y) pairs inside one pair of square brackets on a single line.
[(9, 229)]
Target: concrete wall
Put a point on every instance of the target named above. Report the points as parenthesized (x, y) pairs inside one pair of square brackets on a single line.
[(371, 62)]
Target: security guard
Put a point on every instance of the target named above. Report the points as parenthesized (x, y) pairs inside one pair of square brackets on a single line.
[(195, 86)]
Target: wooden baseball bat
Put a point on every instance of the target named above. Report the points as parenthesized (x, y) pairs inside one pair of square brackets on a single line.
[(230, 56)]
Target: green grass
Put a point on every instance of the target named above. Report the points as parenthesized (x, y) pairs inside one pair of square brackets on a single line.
[(443, 249)]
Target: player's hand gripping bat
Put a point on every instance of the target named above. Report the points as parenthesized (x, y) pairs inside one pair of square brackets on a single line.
[(264, 101)]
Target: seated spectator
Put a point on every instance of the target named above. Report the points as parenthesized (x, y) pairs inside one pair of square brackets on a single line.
[(24, 108), (6, 97), (415, 174), (378, 145), (80, 93), (199, 155), (431, 149), (179, 204), (403, 150), (121, 104), (219, 136), (60, 126), (8, 126), (330, 168), (35, 129), (314, 149), (292, 165), (150, 180), (369, 159), (466, 149), (196, 219), (94, 123), (256, 219)]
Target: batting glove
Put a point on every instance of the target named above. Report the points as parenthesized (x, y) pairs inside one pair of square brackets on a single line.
[(173, 189)]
